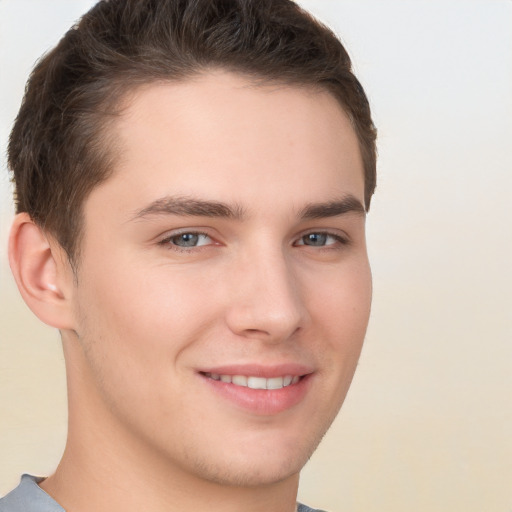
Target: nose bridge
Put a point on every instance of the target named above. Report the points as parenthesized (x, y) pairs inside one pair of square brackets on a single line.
[(268, 303)]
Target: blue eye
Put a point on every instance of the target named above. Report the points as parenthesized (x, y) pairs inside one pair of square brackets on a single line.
[(188, 240), (315, 239), (320, 240)]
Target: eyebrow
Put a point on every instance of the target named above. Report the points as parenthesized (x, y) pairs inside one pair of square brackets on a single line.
[(190, 207), (344, 205)]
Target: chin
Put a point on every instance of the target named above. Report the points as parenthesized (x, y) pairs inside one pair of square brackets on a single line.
[(263, 462), (251, 473)]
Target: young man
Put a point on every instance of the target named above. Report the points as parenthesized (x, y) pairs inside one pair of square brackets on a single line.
[(192, 179)]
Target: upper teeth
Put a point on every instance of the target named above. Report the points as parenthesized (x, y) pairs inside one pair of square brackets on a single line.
[(256, 382)]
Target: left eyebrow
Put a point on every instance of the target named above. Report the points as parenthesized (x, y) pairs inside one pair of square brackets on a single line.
[(347, 204)]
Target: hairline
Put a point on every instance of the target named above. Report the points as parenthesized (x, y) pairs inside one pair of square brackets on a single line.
[(110, 110)]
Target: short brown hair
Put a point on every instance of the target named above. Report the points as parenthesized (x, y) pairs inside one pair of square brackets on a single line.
[(59, 149)]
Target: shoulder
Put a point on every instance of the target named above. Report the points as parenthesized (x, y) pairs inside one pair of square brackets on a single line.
[(304, 508), (29, 497)]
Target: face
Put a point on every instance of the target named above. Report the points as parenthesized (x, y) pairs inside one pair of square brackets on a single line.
[(224, 289)]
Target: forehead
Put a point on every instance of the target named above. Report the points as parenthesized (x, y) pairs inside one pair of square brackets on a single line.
[(221, 136)]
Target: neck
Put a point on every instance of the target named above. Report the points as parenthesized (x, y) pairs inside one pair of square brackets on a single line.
[(82, 483)]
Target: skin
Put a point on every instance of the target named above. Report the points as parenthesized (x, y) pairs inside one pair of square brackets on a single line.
[(144, 315)]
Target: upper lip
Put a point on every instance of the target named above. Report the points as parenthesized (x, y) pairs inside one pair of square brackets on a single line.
[(259, 370)]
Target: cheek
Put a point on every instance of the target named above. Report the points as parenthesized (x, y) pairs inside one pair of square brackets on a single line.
[(345, 299), (341, 312), (136, 334), (146, 320)]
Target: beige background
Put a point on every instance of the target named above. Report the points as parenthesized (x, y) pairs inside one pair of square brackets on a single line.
[(427, 425)]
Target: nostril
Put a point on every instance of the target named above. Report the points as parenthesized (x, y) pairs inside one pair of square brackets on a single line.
[(267, 314)]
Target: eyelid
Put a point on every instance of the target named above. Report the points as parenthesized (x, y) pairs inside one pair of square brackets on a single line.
[(339, 236), (165, 239)]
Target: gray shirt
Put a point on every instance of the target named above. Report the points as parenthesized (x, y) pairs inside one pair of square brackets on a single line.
[(29, 497)]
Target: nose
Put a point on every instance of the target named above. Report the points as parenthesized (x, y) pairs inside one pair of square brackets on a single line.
[(267, 304)]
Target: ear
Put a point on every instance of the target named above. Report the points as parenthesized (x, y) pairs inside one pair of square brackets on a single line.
[(42, 272)]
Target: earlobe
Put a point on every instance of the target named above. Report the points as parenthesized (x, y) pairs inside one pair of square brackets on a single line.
[(42, 273)]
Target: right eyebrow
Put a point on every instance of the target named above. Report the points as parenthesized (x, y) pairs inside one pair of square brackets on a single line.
[(190, 207)]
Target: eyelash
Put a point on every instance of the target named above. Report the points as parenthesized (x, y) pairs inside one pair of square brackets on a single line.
[(166, 242), (337, 237)]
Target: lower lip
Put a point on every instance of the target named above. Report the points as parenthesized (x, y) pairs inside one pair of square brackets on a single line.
[(262, 401)]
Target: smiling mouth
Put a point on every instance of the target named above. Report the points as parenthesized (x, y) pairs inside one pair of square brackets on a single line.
[(252, 382)]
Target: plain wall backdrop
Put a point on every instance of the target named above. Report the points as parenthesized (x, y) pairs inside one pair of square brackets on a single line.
[(427, 424)]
